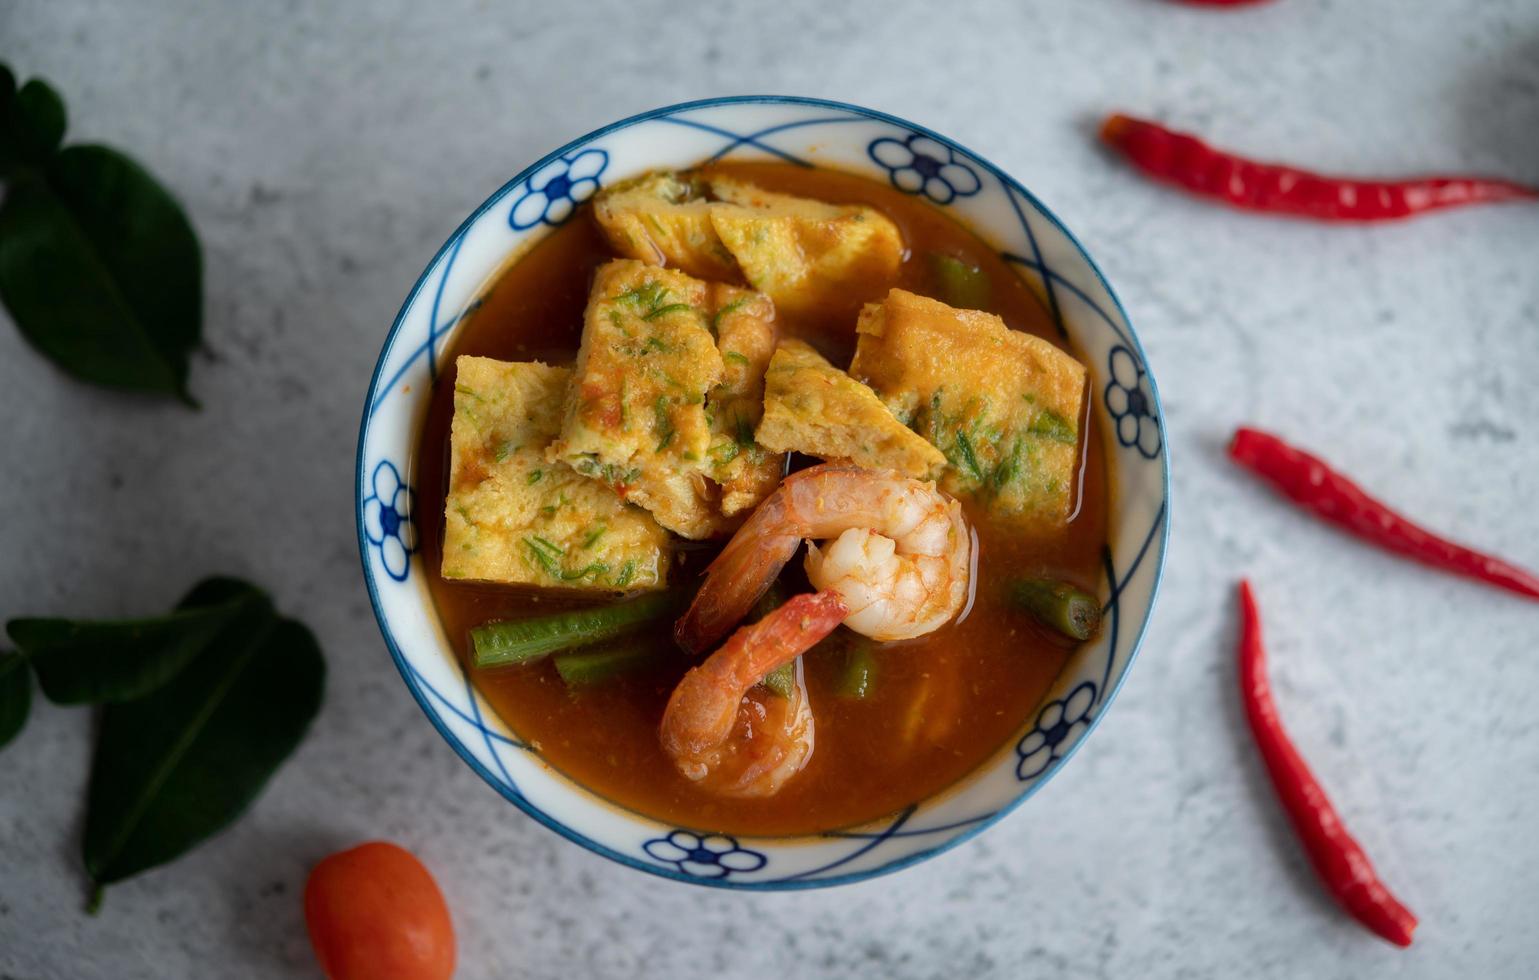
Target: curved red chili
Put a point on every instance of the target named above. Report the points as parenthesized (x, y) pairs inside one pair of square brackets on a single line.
[(1311, 483), (1189, 163), (1337, 858)]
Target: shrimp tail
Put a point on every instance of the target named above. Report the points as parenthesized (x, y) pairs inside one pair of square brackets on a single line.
[(697, 724)]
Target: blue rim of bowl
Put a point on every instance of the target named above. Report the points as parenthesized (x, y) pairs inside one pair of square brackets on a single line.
[(557, 826)]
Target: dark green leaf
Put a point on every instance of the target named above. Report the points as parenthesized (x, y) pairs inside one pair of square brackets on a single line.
[(15, 694), (217, 590), (182, 763), (94, 662), (102, 272), (38, 121), (31, 122)]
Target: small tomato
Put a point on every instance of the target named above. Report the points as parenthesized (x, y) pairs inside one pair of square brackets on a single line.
[(375, 913)]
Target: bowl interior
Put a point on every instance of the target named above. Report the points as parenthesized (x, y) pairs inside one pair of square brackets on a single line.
[(801, 131)]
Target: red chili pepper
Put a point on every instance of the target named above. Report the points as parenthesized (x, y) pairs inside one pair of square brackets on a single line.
[(1189, 163), (1338, 859), (1311, 483)]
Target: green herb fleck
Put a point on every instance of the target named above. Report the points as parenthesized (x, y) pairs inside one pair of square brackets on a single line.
[(744, 430), (658, 311), (1050, 425), (969, 458), (645, 296), (547, 545), (541, 559), (545, 554), (595, 569), (664, 420), (735, 357), (593, 536), (627, 574), (534, 475), (550, 509), (727, 310), (505, 449), (1009, 469), (724, 453)]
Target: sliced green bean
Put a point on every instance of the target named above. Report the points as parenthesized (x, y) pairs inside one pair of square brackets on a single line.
[(962, 285), (521, 641), (1060, 606), (587, 669), (859, 673), (781, 679), (773, 598)]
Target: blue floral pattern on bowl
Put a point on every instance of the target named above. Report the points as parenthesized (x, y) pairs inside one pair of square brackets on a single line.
[(1131, 405), (387, 520), (800, 132), (553, 192), (1059, 724), (921, 165), (703, 855)]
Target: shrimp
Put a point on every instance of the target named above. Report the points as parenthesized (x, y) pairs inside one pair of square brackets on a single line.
[(900, 559), (741, 746)]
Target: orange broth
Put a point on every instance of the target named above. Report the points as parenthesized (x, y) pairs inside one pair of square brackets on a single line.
[(937, 707)]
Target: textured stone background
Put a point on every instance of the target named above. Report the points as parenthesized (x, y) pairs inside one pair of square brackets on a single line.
[(325, 150)]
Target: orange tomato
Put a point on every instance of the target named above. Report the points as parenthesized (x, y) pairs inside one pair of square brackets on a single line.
[(375, 913)]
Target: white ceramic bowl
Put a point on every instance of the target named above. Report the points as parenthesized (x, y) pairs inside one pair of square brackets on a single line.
[(915, 160)]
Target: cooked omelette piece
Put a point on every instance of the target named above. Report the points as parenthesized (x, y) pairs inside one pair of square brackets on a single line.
[(744, 324), (802, 253), (812, 407), (663, 219), (1004, 406), (805, 253), (635, 411), (513, 517)]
